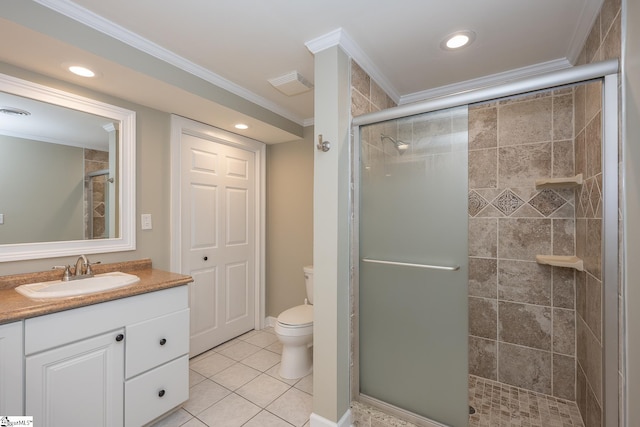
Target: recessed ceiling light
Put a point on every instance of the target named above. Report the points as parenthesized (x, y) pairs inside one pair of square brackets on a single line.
[(81, 71), (242, 126), (458, 39)]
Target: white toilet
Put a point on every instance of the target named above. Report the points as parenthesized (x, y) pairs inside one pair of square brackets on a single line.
[(294, 329)]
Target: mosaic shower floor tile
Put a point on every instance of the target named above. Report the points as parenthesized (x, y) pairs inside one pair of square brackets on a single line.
[(501, 405), (496, 405)]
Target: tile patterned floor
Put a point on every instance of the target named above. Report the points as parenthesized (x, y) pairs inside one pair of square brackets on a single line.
[(500, 405), (237, 384)]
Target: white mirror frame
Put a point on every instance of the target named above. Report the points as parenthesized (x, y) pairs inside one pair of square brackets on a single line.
[(126, 182)]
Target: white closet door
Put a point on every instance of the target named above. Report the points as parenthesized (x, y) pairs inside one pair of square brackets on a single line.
[(218, 244)]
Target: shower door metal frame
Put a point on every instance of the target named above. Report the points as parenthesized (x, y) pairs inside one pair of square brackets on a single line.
[(607, 71), (107, 214)]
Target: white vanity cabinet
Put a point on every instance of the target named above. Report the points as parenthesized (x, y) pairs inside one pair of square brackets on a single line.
[(11, 369), (118, 363)]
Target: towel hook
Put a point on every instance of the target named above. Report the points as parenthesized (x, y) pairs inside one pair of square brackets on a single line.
[(323, 145)]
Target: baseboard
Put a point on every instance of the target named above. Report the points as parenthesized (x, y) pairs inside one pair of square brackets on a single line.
[(270, 321), (317, 421)]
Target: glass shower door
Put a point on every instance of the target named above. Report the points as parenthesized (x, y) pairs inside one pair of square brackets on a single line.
[(413, 265)]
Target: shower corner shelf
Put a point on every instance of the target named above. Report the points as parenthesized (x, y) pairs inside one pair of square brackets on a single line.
[(561, 261), (568, 182)]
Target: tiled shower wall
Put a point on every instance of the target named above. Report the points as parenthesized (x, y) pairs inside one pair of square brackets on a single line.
[(366, 95), (588, 247), (603, 42), (522, 314)]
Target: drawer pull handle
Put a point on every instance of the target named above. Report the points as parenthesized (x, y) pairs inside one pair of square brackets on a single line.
[(119, 337), (161, 393), (163, 341), (206, 258)]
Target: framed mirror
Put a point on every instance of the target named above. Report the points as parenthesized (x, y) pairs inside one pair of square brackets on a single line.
[(67, 173)]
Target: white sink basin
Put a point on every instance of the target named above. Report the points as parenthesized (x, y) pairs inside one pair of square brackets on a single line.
[(59, 289)]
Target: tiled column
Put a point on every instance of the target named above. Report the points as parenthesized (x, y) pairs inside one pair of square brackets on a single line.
[(588, 246)]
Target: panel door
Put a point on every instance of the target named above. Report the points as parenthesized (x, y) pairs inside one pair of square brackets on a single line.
[(218, 247)]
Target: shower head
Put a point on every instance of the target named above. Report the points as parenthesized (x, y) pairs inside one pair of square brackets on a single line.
[(401, 146)]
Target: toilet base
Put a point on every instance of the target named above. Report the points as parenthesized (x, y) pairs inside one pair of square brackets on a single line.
[(296, 362)]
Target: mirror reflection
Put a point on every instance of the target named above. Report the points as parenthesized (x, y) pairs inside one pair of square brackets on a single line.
[(58, 173)]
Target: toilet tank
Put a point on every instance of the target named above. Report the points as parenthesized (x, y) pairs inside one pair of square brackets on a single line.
[(308, 280)]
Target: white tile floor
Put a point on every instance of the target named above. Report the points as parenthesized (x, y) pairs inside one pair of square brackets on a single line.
[(237, 384)]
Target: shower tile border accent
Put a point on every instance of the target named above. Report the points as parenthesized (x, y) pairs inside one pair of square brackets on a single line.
[(527, 202), (507, 202), (547, 202), (476, 203)]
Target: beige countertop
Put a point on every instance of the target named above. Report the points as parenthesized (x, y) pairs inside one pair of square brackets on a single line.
[(14, 306)]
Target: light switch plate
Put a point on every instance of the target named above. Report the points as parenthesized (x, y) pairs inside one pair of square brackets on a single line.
[(145, 220)]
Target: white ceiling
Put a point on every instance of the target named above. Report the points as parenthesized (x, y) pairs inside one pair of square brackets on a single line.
[(238, 45)]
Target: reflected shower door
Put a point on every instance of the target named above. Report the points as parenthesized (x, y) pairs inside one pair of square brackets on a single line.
[(97, 204), (413, 267)]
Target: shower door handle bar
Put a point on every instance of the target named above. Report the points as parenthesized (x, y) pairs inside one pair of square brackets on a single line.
[(407, 264)]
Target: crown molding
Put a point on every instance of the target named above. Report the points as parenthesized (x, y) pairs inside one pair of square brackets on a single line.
[(111, 29), (325, 41), (486, 81), (339, 37), (588, 16)]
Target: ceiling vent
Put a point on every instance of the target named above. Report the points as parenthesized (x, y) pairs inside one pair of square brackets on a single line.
[(292, 83)]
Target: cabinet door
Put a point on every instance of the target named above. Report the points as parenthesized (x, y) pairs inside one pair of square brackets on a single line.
[(79, 384), (11, 369)]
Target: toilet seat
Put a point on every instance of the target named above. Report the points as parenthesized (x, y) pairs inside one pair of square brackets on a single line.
[(300, 316)]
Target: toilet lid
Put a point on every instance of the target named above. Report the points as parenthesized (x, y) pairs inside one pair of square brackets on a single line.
[(300, 315)]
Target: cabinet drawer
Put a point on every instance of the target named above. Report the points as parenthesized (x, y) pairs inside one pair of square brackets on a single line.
[(156, 392), (156, 341), (80, 323)]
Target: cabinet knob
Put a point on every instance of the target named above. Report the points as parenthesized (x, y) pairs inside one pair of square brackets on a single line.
[(206, 258), (163, 341), (119, 337), (161, 393)]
